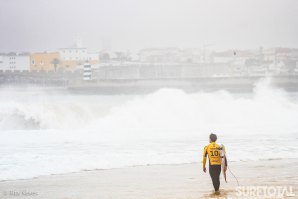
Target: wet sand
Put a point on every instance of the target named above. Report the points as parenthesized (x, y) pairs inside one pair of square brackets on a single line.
[(183, 181)]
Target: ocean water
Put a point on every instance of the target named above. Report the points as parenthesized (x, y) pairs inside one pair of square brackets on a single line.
[(46, 132)]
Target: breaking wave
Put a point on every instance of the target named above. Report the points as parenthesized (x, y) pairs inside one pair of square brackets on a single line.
[(167, 111), (83, 132)]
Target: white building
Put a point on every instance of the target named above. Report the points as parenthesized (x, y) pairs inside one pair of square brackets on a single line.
[(75, 57), (14, 62), (78, 53), (73, 54)]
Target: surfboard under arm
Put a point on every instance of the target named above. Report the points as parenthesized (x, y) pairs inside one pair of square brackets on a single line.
[(224, 162)]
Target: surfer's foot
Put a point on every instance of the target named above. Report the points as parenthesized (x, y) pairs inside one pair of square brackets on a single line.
[(216, 192)]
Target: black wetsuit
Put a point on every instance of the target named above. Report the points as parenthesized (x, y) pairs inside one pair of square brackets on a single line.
[(214, 171)]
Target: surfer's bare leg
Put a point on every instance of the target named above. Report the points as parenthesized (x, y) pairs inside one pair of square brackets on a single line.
[(214, 171)]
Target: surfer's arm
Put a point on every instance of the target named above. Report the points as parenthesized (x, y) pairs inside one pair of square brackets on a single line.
[(226, 161), (205, 157)]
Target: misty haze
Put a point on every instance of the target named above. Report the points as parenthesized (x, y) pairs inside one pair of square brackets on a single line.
[(128, 98)]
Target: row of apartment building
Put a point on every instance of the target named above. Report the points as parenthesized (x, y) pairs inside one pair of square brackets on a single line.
[(176, 55), (69, 59), (65, 59)]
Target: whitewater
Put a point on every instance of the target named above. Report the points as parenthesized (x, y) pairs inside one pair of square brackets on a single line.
[(43, 133)]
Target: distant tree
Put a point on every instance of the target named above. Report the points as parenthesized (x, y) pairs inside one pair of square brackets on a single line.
[(104, 57), (56, 62), (189, 60), (120, 56)]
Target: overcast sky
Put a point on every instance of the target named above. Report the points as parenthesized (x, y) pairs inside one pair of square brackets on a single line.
[(38, 25)]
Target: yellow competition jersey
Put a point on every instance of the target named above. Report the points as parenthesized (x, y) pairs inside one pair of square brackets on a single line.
[(213, 152)]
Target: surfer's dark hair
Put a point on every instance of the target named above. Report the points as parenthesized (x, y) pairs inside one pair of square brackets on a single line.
[(213, 137)]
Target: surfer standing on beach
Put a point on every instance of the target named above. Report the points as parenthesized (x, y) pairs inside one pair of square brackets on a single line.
[(217, 161)]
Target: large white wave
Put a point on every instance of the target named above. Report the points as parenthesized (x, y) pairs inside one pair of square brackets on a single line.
[(174, 112), (43, 133), (165, 112)]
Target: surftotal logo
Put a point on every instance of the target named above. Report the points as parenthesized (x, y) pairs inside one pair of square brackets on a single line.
[(264, 191)]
